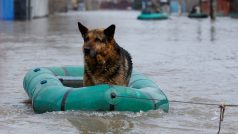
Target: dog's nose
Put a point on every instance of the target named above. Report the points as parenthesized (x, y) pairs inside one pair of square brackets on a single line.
[(86, 50)]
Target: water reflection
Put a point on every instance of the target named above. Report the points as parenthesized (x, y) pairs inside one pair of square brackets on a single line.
[(199, 31), (212, 32), (6, 27), (101, 125), (202, 30)]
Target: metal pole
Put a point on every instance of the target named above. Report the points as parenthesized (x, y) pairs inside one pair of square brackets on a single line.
[(212, 9)]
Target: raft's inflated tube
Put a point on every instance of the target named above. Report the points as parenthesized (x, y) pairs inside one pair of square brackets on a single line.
[(153, 16), (48, 93), (198, 15)]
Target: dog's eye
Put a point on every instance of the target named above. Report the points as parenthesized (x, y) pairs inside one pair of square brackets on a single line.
[(98, 40), (86, 39)]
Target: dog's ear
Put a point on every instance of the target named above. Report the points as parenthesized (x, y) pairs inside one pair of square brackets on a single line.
[(82, 29), (109, 32)]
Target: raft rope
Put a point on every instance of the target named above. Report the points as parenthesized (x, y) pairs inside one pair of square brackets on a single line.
[(221, 106)]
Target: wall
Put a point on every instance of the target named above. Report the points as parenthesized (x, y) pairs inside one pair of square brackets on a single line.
[(222, 7), (6, 9), (182, 6), (234, 6), (58, 6), (39, 8)]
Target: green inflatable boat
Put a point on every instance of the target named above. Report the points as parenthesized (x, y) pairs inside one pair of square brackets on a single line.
[(60, 89), (153, 16), (198, 15)]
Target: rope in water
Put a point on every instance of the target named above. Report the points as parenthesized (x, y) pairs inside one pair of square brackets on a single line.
[(221, 106)]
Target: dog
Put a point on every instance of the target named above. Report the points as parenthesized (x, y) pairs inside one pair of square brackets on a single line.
[(105, 62)]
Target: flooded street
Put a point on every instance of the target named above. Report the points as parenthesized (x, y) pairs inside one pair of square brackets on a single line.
[(191, 60)]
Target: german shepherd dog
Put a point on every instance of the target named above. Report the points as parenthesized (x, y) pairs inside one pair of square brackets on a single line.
[(105, 62)]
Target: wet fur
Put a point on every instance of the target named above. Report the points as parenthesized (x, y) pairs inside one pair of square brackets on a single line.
[(105, 62)]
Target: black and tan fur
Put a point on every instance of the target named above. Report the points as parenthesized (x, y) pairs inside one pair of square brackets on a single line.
[(105, 62)]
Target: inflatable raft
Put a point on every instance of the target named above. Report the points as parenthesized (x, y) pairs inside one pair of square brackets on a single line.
[(152, 16), (197, 15), (60, 89)]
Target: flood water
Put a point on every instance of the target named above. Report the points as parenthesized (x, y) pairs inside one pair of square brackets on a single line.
[(191, 60)]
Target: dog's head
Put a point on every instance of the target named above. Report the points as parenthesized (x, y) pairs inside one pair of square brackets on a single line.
[(97, 41)]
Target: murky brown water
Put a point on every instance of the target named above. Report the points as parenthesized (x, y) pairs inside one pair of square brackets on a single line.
[(191, 60)]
